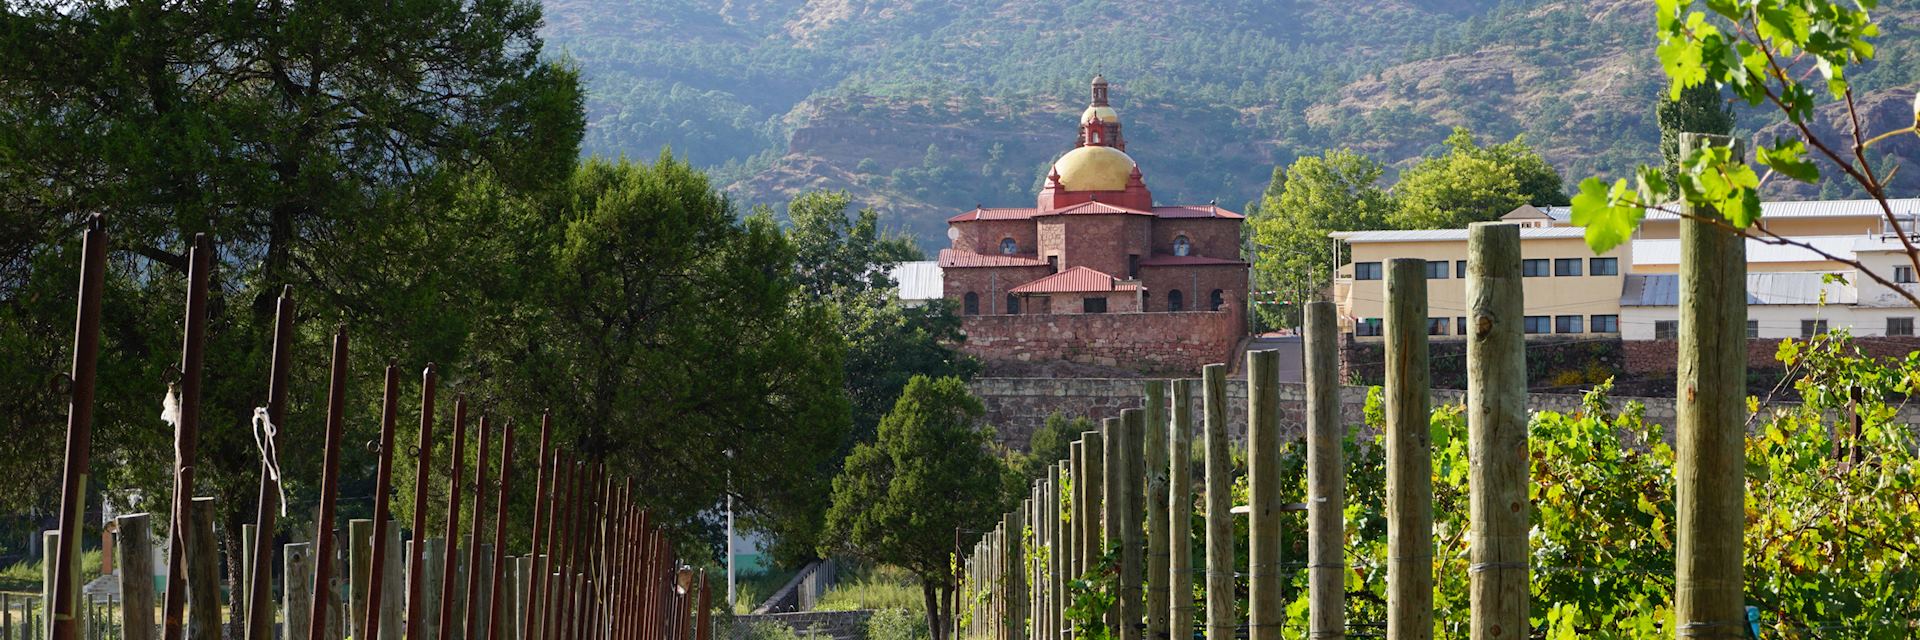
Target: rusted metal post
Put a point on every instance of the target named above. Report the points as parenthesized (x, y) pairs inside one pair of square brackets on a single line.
[(706, 610), (1409, 454), (1326, 478), (550, 573), (186, 434), (329, 487), (79, 456), (542, 510), (498, 597), (449, 568), (416, 550), (1497, 433), (473, 628), (382, 496), (260, 584)]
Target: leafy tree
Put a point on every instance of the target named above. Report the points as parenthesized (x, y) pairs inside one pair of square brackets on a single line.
[(1335, 191), (1699, 109), (1049, 444), (1471, 183), (900, 498)]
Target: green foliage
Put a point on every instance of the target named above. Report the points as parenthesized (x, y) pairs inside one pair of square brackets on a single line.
[(1698, 109), (1049, 445), (1470, 183), (882, 587), (1092, 595), (1335, 191), (768, 630), (897, 624)]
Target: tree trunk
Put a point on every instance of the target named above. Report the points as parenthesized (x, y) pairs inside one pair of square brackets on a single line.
[(931, 595)]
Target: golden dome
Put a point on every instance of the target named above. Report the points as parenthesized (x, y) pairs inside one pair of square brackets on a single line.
[(1104, 113), (1094, 168)]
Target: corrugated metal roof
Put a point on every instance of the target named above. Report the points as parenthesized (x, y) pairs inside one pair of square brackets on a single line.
[(958, 258), (1821, 209), (1667, 251), (918, 280), (1457, 235), (1075, 280), (1169, 260), (1787, 288)]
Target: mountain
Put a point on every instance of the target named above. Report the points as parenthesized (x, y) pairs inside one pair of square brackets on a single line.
[(924, 108)]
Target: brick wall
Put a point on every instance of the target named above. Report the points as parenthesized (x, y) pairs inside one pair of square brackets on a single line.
[(1659, 356), (1211, 237), (1163, 342), (1195, 284)]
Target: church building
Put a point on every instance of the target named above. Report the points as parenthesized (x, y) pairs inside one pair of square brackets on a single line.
[(1096, 271)]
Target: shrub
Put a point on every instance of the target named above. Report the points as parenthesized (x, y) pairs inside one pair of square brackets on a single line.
[(897, 624)]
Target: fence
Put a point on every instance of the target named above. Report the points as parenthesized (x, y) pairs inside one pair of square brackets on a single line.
[(1090, 553), (598, 568)]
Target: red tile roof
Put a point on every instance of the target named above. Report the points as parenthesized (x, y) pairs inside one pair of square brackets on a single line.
[(1168, 260), (1095, 208), (1076, 280), (958, 258)]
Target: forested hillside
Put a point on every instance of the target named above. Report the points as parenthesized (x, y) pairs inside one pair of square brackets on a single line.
[(926, 107)]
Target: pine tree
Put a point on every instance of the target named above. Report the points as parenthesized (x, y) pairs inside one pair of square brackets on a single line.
[(1700, 109)]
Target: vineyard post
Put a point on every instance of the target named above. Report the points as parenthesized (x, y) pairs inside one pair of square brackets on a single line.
[(1036, 581), (136, 577), (1179, 435), (416, 549), (1113, 516), (186, 434), (360, 574), (496, 596), (1710, 457), (1133, 479), (298, 592), (1015, 574), (1497, 433), (1409, 454), (260, 581), (249, 537), (203, 563), (1326, 479), (1077, 506), (1158, 541), (546, 465), (450, 570), (324, 556), (1220, 554), (432, 584), (1093, 474), (471, 627), (63, 603), (391, 578), (1056, 554), (370, 620), (1265, 608)]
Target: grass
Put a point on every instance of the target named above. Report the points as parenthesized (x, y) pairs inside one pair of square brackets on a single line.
[(24, 576), (754, 588), (882, 587)]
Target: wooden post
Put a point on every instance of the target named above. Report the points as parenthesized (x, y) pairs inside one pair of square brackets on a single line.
[(417, 615), (49, 559), (1093, 475), (1409, 454), (433, 578), (522, 596), (479, 597), (249, 539), (335, 590), (360, 568), (203, 562), (1265, 608), (1180, 512), (1077, 507), (1056, 554), (1131, 478), (1220, 554), (1710, 458), (392, 590), (323, 617), (297, 596), (1154, 442), (1326, 478), (1014, 575), (1497, 433), (136, 578)]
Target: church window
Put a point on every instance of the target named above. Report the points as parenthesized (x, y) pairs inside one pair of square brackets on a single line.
[(1175, 302), (1216, 300), (1133, 265), (1181, 246), (1009, 247), (970, 304)]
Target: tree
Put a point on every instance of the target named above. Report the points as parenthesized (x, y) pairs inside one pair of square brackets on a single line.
[(1699, 109), (1470, 183), (317, 143), (1049, 444), (930, 472), (1293, 260)]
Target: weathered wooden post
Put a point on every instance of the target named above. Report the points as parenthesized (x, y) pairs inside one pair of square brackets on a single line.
[(1265, 608), (432, 580), (64, 581), (249, 538), (186, 434), (49, 559), (417, 613), (522, 597), (1220, 555), (324, 555), (479, 597), (1013, 573), (298, 592), (1131, 476), (449, 570), (360, 572), (203, 564), (1056, 553), (1180, 512), (1156, 467), (136, 577), (1093, 474), (1497, 432), (1077, 507), (390, 600), (1326, 478), (1710, 458), (1409, 454)]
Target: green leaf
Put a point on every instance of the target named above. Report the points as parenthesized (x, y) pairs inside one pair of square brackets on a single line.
[(1788, 158), (1608, 215)]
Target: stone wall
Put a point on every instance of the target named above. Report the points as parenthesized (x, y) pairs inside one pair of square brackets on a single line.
[(821, 625), (1143, 341), (1659, 356)]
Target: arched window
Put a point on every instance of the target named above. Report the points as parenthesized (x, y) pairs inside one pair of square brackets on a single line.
[(1013, 304), (1182, 246), (1009, 247), (970, 304), (1216, 300), (1174, 301)]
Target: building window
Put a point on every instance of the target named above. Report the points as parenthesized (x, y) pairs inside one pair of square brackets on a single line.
[(1181, 246), (1537, 324), (1534, 268), (1666, 329), (1606, 324), (1436, 269), (1603, 266), (1367, 327), (1133, 265), (1216, 300), (1009, 247), (970, 304), (1053, 264), (1366, 271), (1811, 328), (1899, 326), (1460, 323), (1566, 266), (1460, 269), (1568, 324), (1753, 328), (1437, 326), (1903, 275), (1093, 305), (1013, 304), (1175, 301)]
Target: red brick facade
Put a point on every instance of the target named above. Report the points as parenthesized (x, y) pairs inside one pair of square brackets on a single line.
[(1172, 343)]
